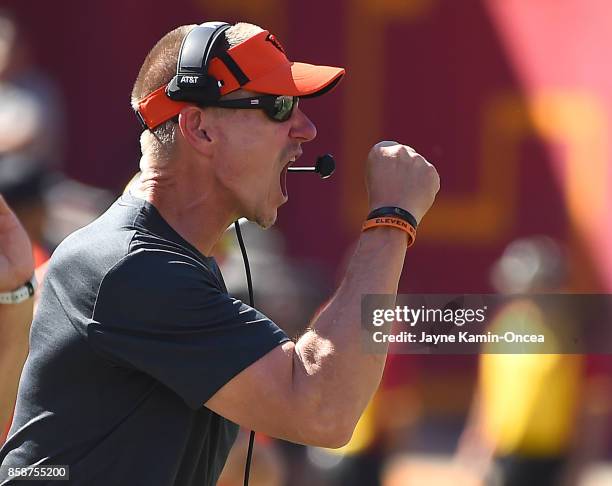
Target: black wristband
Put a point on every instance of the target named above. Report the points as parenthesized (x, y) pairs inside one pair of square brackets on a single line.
[(394, 211)]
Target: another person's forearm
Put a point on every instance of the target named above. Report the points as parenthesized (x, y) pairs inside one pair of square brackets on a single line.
[(332, 369), (14, 334)]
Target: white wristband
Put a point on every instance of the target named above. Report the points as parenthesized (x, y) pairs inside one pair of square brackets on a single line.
[(21, 294)]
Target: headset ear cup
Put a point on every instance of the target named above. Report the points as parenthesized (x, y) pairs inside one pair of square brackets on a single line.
[(205, 90)]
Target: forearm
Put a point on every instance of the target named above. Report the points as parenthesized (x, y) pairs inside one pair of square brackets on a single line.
[(14, 333), (331, 368)]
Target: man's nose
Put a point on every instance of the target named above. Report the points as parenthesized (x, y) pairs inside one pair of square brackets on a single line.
[(301, 127)]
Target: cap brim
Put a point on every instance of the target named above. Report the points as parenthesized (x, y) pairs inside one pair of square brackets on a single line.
[(297, 79)]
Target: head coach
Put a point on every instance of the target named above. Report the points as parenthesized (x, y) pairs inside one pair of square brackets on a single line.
[(141, 365)]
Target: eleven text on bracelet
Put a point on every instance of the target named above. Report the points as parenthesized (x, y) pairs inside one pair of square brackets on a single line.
[(394, 223)]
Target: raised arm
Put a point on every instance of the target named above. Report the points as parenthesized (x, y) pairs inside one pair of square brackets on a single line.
[(315, 390), (16, 267)]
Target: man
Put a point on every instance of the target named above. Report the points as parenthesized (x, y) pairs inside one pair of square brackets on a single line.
[(141, 364), (16, 267)]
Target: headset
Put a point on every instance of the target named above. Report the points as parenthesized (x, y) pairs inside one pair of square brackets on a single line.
[(193, 83)]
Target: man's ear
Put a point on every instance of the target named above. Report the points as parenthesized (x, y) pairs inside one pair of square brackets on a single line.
[(194, 126)]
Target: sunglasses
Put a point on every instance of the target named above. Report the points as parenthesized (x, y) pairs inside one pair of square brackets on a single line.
[(278, 108)]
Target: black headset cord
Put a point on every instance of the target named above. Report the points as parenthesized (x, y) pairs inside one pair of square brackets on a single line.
[(247, 270)]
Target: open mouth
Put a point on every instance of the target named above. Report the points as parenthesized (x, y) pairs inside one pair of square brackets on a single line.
[(283, 180), (283, 177)]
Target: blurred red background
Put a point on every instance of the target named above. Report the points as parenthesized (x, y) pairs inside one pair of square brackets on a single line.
[(510, 100)]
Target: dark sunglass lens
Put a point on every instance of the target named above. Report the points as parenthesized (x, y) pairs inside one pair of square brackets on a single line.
[(283, 107)]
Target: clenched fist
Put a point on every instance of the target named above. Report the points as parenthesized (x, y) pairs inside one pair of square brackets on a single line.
[(398, 176)]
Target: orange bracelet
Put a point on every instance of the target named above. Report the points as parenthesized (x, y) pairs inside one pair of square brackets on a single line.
[(394, 223)]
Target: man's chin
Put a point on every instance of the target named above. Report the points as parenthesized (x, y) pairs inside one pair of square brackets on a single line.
[(267, 220)]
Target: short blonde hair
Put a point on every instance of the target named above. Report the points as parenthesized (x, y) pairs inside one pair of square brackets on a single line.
[(159, 68)]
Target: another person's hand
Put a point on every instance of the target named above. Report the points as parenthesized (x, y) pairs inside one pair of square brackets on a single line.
[(16, 260), (399, 176)]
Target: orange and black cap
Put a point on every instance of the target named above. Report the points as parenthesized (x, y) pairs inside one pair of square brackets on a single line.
[(258, 64)]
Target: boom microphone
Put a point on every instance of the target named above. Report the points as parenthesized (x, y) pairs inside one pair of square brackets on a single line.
[(325, 166)]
